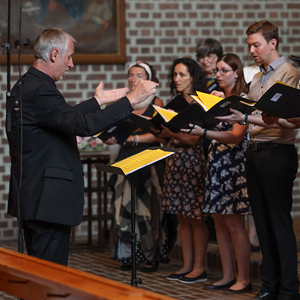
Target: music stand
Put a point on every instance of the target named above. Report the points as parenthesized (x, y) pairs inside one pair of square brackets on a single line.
[(128, 167)]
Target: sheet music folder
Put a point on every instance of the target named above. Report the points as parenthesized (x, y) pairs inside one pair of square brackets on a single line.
[(121, 131), (137, 161), (217, 106), (280, 100)]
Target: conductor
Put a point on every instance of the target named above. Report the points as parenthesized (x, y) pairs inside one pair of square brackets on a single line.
[(49, 177)]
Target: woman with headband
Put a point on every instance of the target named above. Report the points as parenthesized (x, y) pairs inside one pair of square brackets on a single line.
[(148, 188)]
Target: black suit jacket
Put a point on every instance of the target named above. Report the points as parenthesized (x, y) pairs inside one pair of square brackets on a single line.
[(52, 188)]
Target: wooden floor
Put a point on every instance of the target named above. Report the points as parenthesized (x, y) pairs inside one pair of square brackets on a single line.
[(98, 262)]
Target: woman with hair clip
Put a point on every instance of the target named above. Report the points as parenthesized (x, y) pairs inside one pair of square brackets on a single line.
[(226, 196), (184, 178), (148, 188)]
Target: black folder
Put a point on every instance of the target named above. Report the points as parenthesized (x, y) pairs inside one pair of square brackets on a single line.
[(280, 100), (121, 131), (178, 103), (191, 114), (241, 104)]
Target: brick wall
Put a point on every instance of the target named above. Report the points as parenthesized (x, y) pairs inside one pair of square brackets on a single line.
[(157, 32)]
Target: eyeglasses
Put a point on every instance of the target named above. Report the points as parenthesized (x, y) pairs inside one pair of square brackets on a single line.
[(209, 58), (222, 71)]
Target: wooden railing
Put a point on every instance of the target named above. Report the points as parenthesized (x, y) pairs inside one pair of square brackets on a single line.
[(32, 278)]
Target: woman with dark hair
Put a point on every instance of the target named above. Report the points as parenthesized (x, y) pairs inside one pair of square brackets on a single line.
[(226, 196), (208, 52), (196, 77), (184, 178)]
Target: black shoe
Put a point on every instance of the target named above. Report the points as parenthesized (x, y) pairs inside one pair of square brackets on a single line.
[(150, 266), (220, 286), (247, 288), (126, 267), (201, 277), (174, 277), (265, 296)]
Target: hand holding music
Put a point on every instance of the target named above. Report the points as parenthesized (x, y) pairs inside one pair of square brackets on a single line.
[(235, 117), (295, 121), (218, 93), (110, 141), (193, 130), (269, 120)]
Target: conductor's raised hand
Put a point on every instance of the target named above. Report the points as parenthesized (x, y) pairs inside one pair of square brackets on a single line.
[(109, 96), (143, 90)]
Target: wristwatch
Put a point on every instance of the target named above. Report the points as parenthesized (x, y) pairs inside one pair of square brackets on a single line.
[(245, 120)]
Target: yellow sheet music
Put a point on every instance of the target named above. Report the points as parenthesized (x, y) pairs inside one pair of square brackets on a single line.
[(207, 101), (167, 114), (141, 160)]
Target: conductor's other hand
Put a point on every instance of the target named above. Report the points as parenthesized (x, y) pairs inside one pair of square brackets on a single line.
[(109, 96), (143, 90)]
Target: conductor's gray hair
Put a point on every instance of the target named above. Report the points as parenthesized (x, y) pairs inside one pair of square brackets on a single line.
[(50, 39)]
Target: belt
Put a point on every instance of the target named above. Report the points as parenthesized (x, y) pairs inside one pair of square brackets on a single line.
[(261, 146)]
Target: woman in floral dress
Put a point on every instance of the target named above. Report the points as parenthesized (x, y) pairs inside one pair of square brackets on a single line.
[(184, 178), (226, 195)]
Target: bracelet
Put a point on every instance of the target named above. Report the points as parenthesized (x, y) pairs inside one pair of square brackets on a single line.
[(135, 140), (204, 133), (245, 120)]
